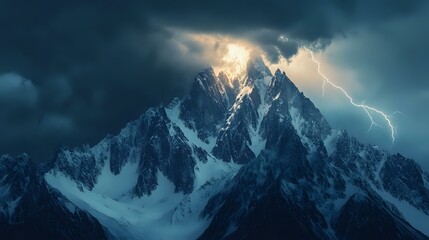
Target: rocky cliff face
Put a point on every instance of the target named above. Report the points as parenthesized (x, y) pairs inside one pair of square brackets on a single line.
[(252, 159)]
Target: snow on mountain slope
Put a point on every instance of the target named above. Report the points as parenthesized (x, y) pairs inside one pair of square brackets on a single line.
[(162, 214), (173, 113), (31, 209), (414, 216)]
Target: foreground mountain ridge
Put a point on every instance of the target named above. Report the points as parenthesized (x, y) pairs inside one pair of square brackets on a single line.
[(31, 209), (248, 158)]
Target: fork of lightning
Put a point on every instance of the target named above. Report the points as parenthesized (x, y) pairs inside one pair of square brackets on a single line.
[(369, 110)]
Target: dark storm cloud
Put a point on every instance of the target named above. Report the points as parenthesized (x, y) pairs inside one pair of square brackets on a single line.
[(91, 68), (274, 43), (94, 65), (306, 22)]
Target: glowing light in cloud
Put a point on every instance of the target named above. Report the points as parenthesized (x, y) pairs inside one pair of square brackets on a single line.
[(368, 109), (224, 53), (236, 59)]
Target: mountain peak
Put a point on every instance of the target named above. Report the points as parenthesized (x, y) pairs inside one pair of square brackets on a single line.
[(245, 155), (20, 162), (281, 84), (205, 105), (256, 68)]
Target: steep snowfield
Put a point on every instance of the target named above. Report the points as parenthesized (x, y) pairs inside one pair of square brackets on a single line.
[(258, 142), (128, 217), (116, 186), (173, 112), (164, 214), (416, 218)]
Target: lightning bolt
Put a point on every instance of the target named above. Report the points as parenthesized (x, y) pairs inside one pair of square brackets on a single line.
[(368, 109)]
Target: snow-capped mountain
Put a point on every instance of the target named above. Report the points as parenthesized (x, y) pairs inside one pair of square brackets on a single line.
[(251, 158)]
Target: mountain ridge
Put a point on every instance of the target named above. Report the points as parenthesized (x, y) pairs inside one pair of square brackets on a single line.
[(209, 167)]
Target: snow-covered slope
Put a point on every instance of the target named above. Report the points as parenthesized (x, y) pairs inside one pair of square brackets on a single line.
[(250, 160)]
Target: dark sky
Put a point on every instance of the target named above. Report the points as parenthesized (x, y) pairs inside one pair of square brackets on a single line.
[(71, 72)]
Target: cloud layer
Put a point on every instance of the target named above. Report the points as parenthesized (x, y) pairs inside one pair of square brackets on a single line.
[(90, 67)]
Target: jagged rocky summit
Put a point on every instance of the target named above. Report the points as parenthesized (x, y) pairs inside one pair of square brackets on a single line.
[(246, 159)]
